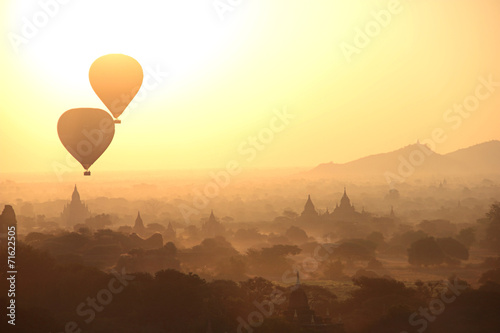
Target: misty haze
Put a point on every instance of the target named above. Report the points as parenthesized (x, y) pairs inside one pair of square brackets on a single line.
[(229, 166)]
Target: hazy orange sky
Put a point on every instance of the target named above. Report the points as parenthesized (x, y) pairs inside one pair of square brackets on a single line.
[(227, 74)]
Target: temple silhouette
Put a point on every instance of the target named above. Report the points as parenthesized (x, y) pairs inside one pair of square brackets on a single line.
[(212, 228), (139, 227), (76, 211), (344, 211), (7, 219), (309, 210), (170, 234), (300, 313)]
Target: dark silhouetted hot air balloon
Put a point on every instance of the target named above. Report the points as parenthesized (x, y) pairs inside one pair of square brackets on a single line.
[(116, 79), (86, 133)]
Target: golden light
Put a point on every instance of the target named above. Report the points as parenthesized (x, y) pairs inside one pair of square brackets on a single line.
[(210, 82)]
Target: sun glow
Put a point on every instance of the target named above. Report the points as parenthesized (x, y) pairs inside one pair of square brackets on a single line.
[(209, 83)]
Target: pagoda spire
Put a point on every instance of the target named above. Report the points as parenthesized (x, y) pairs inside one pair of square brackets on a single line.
[(309, 209), (139, 224), (211, 218), (75, 196)]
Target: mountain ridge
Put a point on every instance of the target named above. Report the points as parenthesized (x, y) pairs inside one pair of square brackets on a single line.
[(482, 158)]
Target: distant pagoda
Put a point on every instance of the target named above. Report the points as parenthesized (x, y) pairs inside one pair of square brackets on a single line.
[(300, 313), (139, 227), (309, 210), (76, 211), (170, 233), (343, 212), (7, 219), (212, 227)]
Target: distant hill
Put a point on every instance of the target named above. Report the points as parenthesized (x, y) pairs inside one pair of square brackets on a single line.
[(483, 158)]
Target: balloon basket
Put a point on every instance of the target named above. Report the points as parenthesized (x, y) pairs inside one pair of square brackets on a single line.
[(86, 173), (118, 121)]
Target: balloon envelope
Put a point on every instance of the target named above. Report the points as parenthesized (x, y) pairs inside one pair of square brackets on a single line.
[(116, 79), (86, 133)]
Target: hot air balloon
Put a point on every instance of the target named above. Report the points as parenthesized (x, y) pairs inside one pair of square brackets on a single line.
[(116, 79), (86, 133)]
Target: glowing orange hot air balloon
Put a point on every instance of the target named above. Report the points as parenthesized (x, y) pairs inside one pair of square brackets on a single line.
[(86, 133), (116, 79)]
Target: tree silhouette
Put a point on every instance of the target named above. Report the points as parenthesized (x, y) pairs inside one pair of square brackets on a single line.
[(467, 236), (492, 239), (425, 252), (453, 248)]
